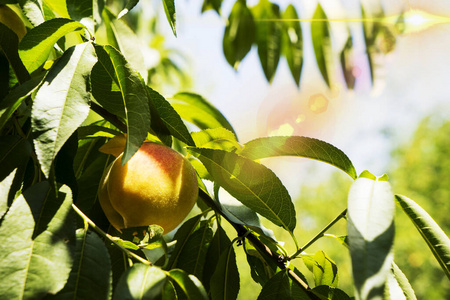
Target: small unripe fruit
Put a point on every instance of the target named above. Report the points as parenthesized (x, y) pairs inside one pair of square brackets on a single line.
[(156, 186), (9, 18)]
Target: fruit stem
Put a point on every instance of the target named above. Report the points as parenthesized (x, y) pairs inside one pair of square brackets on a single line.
[(109, 237)]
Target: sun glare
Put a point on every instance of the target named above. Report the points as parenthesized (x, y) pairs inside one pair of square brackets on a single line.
[(419, 20)]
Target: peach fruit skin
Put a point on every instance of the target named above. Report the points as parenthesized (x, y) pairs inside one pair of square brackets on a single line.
[(156, 186)]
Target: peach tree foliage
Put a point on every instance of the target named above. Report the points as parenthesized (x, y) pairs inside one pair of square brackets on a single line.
[(68, 89)]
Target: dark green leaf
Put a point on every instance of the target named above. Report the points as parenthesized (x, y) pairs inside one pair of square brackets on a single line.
[(320, 35), (141, 282), (323, 268), (298, 146), (81, 10), (34, 50), (434, 236), (129, 6), (217, 138), (293, 42), (133, 96), (62, 103), (193, 255), (197, 110), (9, 44), (64, 171), (91, 275), (15, 97), (239, 34), (225, 280), (169, 9), (347, 63), (170, 118), (370, 230), (281, 286), (37, 243), (268, 36), (330, 293), (191, 286), (251, 183), (261, 269), (219, 244)]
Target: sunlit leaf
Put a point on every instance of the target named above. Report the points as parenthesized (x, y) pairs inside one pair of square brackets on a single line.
[(293, 42), (60, 7), (197, 110), (225, 280), (140, 282), (281, 286), (91, 275), (268, 36), (370, 230), (95, 131), (15, 97), (323, 268), (169, 9), (112, 66), (37, 243), (170, 118), (9, 44), (217, 138), (239, 34), (125, 40), (62, 103), (34, 50), (33, 10), (298, 146), (434, 236), (251, 183), (191, 286), (320, 35), (400, 281), (326, 292)]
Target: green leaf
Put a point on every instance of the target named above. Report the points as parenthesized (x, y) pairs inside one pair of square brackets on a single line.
[(262, 269), (91, 275), (370, 230), (170, 118), (34, 50), (253, 184), (6, 189), (169, 9), (298, 146), (280, 286), (82, 11), (218, 245), (323, 268), (9, 45), (133, 96), (141, 282), (191, 257), (125, 40), (225, 280), (320, 35), (191, 286), (398, 286), (268, 36), (129, 6), (37, 243), (347, 63), (434, 236), (197, 110), (14, 99), (212, 4), (59, 7), (217, 138), (62, 103), (95, 131), (293, 42), (239, 34)]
